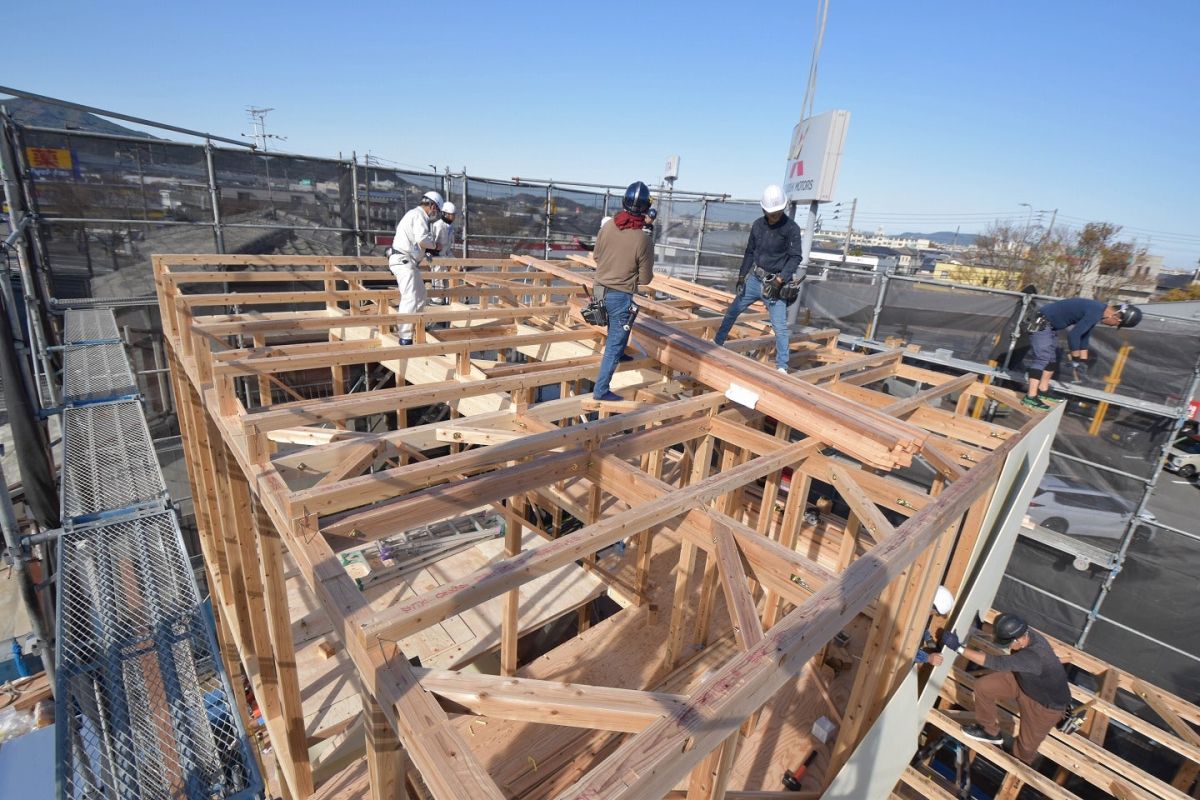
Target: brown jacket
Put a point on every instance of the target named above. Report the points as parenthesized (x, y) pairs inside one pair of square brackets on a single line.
[(624, 259)]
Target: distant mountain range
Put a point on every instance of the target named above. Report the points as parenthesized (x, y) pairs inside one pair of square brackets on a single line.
[(942, 237), (44, 115)]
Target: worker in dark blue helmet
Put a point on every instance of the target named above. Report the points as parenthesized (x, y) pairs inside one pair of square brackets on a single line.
[(624, 262)]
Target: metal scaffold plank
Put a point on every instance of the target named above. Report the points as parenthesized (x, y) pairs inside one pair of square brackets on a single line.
[(143, 705), (108, 461)]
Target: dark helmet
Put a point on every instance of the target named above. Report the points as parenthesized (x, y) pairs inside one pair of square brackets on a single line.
[(637, 198), (1008, 627), (1130, 315)]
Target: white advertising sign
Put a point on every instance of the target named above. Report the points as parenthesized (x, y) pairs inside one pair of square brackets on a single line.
[(815, 156)]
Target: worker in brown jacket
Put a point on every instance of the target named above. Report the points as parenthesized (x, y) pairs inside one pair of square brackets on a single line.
[(624, 261)]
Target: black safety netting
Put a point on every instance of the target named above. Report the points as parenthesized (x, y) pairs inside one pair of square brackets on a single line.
[(968, 324), (1042, 611), (1150, 595), (575, 218), (1165, 667), (1121, 438), (726, 231), (506, 217), (842, 300)]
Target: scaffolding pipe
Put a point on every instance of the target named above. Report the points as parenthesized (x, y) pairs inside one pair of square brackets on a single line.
[(115, 115), (12, 540), (700, 240), (354, 198), (214, 195)]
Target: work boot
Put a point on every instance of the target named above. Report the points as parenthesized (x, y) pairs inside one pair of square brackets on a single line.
[(405, 342), (609, 397), (1048, 399), (975, 731), (1035, 403), (782, 369)]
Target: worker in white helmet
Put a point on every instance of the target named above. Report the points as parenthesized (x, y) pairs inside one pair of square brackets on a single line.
[(443, 238), (943, 603), (414, 235), (772, 255)]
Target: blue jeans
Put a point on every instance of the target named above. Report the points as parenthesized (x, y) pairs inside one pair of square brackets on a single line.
[(776, 310), (617, 304)]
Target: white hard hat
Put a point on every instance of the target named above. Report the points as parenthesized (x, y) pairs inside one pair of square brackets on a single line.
[(605, 221), (434, 198), (943, 601), (448, 208), (773, 199)]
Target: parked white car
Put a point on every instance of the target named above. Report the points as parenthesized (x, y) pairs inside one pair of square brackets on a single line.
[(1067, 506), (1184, 458)]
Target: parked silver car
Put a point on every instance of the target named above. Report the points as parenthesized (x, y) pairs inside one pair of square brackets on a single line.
[(1068, 506)]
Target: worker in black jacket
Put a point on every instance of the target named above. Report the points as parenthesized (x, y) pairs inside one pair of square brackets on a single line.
[(1030, 674), (772, 255)]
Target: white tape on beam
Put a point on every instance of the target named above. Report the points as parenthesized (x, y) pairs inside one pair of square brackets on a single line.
[(742, 396)]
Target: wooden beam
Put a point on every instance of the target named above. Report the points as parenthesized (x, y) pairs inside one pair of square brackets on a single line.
[(869, 515), (567, 704)]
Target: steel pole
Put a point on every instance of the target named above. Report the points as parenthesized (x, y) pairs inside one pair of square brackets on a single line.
[(466, 218), (810, 227), (700, 240), (358, 235), (214, 197), (549, 216)]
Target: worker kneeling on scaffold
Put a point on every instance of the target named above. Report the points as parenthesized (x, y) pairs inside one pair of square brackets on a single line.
[(1030, 674), (1077, 316), (773, 252)]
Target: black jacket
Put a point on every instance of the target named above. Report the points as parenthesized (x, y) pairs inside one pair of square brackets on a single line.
[(775, 248), (1038, 671)]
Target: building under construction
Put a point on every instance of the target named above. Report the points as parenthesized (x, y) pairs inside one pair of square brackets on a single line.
[(444, 570)]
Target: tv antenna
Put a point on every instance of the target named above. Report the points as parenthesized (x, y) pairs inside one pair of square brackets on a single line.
[(258, 118)]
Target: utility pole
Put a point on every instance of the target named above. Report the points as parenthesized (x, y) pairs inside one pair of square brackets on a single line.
[(849, 230)]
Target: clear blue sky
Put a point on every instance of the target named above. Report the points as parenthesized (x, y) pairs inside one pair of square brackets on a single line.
[(961, 110)]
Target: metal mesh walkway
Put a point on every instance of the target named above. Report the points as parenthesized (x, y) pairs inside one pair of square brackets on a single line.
[(89, 326), (108, 460), (94, 372), (144, 707)]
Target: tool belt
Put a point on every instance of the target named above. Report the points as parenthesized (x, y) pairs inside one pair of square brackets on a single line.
[(1039, 323), (594, 313)]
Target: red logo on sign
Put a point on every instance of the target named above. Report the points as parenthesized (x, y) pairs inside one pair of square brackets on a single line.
[(797, 170)]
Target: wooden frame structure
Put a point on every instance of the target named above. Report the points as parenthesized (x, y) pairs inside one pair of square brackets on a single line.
[(733, 585)]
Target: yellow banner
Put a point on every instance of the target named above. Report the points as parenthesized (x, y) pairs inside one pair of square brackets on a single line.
[(48, 158)]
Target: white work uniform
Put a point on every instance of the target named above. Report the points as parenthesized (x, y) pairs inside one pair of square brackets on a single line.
[(443, 237), (413, 235)]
